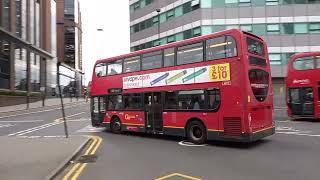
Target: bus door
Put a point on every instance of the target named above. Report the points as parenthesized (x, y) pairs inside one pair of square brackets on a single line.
[(98, 110), (302, 101), (153, 111)]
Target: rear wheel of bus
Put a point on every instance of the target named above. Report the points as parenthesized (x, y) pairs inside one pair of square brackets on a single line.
[(115, 125), (196, 132)]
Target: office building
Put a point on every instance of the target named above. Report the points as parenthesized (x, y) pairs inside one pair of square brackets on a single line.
[(27, 48), (288, 26)]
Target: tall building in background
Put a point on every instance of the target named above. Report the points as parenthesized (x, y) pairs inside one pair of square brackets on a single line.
[(288, 26), (27, 47), (69, 50)]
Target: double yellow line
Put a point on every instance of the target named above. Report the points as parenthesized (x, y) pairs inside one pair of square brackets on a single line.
[(76, 170)]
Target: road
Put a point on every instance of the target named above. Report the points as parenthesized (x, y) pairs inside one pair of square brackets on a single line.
[(292, 153)]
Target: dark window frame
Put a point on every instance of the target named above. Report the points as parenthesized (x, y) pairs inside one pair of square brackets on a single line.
[(115, 62)]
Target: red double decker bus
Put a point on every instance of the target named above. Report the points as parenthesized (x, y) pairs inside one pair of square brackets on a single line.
[(215, 87), (303, 86)]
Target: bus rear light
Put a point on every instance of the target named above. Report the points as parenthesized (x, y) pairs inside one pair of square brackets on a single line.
[(249, 98)]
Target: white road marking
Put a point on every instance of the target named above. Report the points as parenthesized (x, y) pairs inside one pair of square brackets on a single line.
[(89, 128), (39, 111), (27, 121), (37, 128), (190, 144), (299, 134), (6, 125)]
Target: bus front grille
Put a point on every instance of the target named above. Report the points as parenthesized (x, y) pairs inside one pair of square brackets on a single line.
[(232, 126)]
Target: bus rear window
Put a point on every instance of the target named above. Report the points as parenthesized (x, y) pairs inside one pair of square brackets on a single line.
[(259, 82), (257, 61), (255, 47)]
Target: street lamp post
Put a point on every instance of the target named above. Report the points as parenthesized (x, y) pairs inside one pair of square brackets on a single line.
[(158, 11)]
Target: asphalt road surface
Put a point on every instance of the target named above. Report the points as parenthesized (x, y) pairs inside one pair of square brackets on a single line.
[(292, 153)]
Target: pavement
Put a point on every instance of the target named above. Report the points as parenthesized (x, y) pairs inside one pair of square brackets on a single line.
[(35, 105), (36, 158), (291, 154)]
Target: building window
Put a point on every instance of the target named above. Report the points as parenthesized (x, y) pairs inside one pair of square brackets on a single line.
[(206, 30), (301, 1), (303, 63), (132, 101), (179, 36), (163, 17), (178, 11), (221, 47), (5, 16), (217, 28), (232, 27), (259, 29), (301, 28), (152, 60), (286, 28), (170, 14), (275, 59), (190, 53), (317, 58), (131, 64), (115, 67), (171, 39), (101, 69), (244, 2), (191, 100), (187, 34), (314, 27), (272, 2), (196, 31), (273, 29), (168, 59), (231, 3), (246, 27), (206, 3)]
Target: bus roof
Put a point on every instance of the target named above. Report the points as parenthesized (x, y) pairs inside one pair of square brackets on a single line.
[(174, 44), (304, 54)]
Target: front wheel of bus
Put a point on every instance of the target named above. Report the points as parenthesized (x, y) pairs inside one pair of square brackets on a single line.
[(115, 125), (196, 132)]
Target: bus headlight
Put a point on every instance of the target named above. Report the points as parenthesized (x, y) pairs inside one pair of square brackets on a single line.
[(249, 119)]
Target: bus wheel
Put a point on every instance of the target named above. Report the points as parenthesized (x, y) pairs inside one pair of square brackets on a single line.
[(196, 132), (115, 125)]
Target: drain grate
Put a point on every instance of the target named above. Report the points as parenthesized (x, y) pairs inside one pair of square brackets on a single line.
[(88, 158)]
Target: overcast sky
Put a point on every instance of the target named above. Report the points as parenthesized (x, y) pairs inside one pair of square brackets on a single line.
[(113, 18)]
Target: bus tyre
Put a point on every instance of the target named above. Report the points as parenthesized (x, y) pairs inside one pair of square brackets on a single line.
[(115, 125), (196, 132)]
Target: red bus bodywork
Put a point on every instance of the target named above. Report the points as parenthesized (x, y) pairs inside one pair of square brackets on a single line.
[(303, 86), (240, 116)]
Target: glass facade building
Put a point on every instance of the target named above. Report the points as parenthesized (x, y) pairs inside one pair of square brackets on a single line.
[(26, 55), (288, 26)]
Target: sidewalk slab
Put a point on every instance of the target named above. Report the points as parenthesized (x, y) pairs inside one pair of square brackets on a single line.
[(38, 104), (36, 158)]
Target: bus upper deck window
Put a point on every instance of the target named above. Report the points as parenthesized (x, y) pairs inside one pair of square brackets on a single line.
[(255, 47)]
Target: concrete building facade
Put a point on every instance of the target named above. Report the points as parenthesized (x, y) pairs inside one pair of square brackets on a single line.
[(288, 26)]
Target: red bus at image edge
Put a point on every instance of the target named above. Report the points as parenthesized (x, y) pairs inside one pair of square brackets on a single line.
[(212, 87), (303, 86)]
